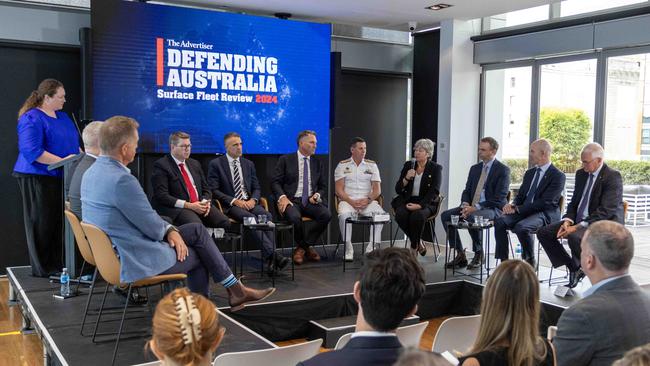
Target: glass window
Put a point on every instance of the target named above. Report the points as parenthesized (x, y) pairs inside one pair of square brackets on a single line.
[(507, 116), (567, 105), (573, 7), (518, 17)]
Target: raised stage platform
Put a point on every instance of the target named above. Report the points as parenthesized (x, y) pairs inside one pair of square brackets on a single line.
[(320, 294)]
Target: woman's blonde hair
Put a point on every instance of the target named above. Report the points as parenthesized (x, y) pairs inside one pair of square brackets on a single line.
[(510, 315), (639, 356), (46, 87), (185, 327)]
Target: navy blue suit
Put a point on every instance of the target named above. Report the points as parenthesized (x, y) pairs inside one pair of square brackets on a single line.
[(530, 216), (496, 186), (221, 183), (359, 351)]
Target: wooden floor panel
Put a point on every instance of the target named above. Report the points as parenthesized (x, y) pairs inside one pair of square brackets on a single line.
[(16, 348)]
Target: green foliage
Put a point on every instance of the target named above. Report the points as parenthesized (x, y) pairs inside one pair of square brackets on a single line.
[(517, 169), (568, 131), (633, 172)]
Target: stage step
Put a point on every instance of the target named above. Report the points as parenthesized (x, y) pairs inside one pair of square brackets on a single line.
[(330, 330)]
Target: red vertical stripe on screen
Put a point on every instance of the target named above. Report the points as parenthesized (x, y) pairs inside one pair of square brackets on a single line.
[(159, 61)]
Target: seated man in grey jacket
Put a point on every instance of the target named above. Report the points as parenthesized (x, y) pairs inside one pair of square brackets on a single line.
[(614, 314)]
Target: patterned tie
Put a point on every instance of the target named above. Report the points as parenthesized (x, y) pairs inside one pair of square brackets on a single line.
[(585, 200), (533, 188), (188, 183), (305, 182), (239, 188), (479, 186)]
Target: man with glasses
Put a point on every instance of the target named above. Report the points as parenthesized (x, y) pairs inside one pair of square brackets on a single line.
[(598, 195), (180, 189)]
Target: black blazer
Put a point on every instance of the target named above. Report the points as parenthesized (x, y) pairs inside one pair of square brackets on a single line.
[(547, 196), (168, 185), (429, 186), (360, 351), (606, 201), (74, 193), (496, 185), (285, 178), (220, 180)]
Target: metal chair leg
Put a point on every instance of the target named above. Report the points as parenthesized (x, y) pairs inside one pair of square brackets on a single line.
[(101, 308), (90, 295), (119, 333)]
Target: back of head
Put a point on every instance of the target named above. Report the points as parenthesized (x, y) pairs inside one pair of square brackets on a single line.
[(90, 134), (415, 357), (179, 334), (612, 243), (115, 132), (391, 284), (639, 356), (510, 314)]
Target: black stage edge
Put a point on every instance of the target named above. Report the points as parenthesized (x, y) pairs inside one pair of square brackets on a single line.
[(320, 291)]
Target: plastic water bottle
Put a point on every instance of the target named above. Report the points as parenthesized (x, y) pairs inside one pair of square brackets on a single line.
[(65, 283), (518, 251)]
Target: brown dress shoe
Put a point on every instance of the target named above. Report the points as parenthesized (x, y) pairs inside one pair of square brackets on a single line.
[(312, 254), (299, 256), (239, 295)]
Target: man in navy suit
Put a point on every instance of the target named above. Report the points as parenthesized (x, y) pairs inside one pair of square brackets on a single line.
[(180, 190), (389, 288), (485, 194), (300, 187), (234, 183), (598, 195), (536, 204)]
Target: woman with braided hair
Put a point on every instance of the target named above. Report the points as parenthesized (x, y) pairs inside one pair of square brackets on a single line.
[(186, 329)]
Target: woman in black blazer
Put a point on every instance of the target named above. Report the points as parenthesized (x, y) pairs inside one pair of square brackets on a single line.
[(418, 188)]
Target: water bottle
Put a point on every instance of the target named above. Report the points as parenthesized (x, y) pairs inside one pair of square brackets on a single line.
[(518, 251), (65, 283)]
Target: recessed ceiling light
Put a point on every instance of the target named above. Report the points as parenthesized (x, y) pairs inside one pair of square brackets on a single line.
[(438, 6)]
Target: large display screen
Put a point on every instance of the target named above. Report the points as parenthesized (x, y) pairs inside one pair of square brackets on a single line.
[(208, 73)]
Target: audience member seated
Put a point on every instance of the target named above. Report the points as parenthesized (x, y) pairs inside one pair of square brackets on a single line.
[(113, 200), (233, 181), (415, 357), (639, 356), (485, 194), (417, 189), (614, 314), (537, 204), (391, 283), (300, 186), (90, 136), (598, 195), (180, 190), (185, 329), (509, 330), (358, 185)]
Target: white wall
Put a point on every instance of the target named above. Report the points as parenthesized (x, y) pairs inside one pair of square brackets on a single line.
[(41, 24)]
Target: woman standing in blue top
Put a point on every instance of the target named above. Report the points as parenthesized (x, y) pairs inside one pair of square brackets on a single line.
[(46, 135)]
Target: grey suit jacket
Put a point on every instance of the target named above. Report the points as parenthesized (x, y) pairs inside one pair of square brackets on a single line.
[(600, 328), (74, 194)]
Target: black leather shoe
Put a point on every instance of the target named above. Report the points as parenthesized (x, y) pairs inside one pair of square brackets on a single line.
[(575, 277), (281, 262), (136, 298), (459, 261), (477, 261)]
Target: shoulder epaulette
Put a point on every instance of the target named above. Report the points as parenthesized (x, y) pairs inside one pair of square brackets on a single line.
[(345, 161), (370, 161)]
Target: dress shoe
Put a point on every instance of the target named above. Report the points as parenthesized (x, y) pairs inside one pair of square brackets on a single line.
[(298, 256), (459, 261), (276, 262), (239, 295), (370, 247), (575, 277), (135, 299), (312, 254), (349, 252), (422, 249), (477, 261)]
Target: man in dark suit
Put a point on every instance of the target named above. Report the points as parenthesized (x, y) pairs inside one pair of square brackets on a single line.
[(234, 183), (300, 187), (485, 194), (536, 204), (180, 190), (390, 285), (598, 195), (90, 136), (614, 314)]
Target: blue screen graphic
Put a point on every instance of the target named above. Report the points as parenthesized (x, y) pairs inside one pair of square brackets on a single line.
[(208, 73)]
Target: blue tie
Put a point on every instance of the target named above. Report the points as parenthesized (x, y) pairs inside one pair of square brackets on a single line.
[(305, 182), (585, 199), (533, 188)]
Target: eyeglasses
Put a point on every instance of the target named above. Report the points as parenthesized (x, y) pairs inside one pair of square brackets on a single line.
[(186, 147), (588, 162)]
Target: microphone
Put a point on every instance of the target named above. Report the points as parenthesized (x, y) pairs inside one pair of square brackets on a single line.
[(413, 163), (76, 124)]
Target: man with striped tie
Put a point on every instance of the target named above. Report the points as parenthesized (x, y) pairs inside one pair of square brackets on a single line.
[(180, 190), (233, 181)]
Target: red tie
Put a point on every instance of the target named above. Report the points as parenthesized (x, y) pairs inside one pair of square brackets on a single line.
[(188, 183)]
